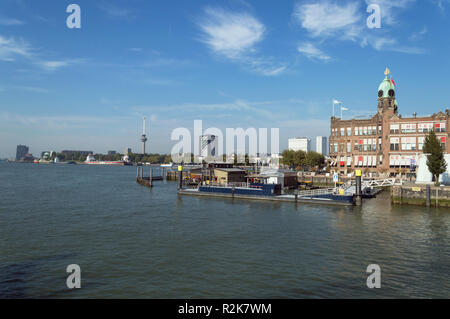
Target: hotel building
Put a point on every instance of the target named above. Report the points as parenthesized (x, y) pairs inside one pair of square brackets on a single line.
[(387, 143)]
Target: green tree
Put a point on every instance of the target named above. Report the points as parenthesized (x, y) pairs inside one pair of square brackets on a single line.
[(314, 160), (435, 156)]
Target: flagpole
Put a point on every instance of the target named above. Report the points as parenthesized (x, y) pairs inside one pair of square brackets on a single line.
[(333, 108)]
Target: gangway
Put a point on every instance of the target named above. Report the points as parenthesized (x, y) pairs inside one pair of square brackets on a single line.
[(350, 186)]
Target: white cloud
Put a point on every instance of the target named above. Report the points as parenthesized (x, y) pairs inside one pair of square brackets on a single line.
[(415, 36), (54, 65), (9, 21), (116, 12), (235, 35), (312, 52), (231, 34), (11, 48), (389, 9), (327, 18)]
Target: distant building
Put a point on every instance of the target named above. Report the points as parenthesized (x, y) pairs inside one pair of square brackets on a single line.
[(112, 152), (128, 151), (321, 145), (386, 143), (21, 151), (300, 144)]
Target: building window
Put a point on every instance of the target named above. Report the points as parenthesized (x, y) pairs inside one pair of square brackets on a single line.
[(394, 128), (380, 130), (365, 131), (369, 145), (349, 131), (425, 127), (349, 147), (370, 130), (356, 146), (360, 131), (421, 140), (335, 147), (408, 143), (440, 127), (342, 131), (443, 140), (395, 144), (408, 128), (356, 131)]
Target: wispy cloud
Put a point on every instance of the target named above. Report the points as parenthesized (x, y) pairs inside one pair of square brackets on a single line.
[(235, 35), (231, 34), (331, 20), (312, 52), (5, 21), (327, 18), (116, 12), (390, 9), (26, 88), (56, 122), (12, 48), (54, 65), (415, 36)]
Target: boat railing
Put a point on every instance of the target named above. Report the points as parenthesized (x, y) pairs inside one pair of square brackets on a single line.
[(315, 192)]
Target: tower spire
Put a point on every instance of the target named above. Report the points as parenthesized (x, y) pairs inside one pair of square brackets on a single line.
[(387, 72), (144, 136)]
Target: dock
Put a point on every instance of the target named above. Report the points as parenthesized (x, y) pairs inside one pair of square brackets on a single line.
[(278, 198), (147, 181)]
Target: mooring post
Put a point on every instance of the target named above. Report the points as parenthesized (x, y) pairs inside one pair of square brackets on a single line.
[(180, 177), (137, 172), (151, 177), (358, 191), (428, 194)]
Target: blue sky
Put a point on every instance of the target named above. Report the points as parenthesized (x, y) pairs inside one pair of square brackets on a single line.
[(229, 63)]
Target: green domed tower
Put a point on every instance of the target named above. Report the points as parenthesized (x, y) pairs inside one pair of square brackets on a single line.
[(386, 95)]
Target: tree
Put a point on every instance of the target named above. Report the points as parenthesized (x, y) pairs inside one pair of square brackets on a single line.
[(435, 156), (314, 160)]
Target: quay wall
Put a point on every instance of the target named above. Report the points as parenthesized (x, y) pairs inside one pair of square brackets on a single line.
[(417, 195)]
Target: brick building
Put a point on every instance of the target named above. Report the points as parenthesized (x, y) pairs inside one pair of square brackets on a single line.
[(387, 143)]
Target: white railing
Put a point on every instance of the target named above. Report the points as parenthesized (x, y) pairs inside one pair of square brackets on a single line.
[(314, 192)]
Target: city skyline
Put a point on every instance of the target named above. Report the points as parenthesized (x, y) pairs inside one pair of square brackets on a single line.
[(231, 64)]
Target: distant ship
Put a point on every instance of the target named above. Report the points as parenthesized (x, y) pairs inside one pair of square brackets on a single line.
[(167, 165), (90, 160)]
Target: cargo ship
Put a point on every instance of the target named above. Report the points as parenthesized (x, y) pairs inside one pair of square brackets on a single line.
[(90, 160)]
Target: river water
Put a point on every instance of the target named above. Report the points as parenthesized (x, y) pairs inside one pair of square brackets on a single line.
[(132, 242)]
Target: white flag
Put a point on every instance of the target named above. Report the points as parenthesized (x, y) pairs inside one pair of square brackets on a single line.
[(336, 102), (344, 108)]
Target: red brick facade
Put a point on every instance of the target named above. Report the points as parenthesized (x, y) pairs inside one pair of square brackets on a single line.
[(386, 143)]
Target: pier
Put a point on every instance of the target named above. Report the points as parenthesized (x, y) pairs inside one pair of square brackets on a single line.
[(147, 181)]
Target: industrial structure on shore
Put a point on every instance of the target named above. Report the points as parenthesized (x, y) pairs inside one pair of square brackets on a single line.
[(387, 143), (144, 138)]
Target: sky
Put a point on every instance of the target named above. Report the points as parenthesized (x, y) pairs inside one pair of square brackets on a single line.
[(230, 63)]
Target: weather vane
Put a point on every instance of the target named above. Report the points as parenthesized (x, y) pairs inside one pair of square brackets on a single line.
[(387, 72)]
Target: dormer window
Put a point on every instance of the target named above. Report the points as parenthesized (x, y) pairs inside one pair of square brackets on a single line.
[(391, 93), (380, 93)]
